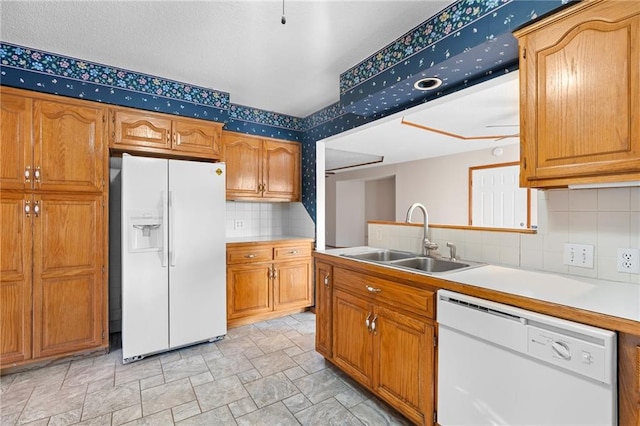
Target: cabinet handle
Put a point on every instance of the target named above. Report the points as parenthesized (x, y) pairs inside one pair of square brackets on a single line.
[(372, 289), (270, 274), (367, 322), (275, 273), (36, 208), (27, 174), (326, 280), (250, 256), (168, 138), (373, 324), (27, 208), (36, 174), (176, 139), (293, 252)]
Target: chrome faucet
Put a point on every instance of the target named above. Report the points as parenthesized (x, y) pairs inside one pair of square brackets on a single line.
[(427, 245)]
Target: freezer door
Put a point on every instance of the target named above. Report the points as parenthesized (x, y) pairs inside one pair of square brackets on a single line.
[(197, 269), (145, 287)]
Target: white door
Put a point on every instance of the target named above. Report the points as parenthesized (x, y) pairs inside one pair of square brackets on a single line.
[(498, 201), (197, 273), (145, 290)]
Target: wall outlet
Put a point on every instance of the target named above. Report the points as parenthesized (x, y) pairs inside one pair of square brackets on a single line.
[(628, 260), (580, 255), (238, 224)]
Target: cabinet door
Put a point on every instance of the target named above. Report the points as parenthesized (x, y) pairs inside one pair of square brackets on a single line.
[(15, 142), (243, 156), (404, 363), (140, 129), (578, 123), (352, 340), (15, 279), (324, 279), (292, 286), (249, 290), (281, 170), (68, 286), (628, 379), (69, 150), (190, 137)]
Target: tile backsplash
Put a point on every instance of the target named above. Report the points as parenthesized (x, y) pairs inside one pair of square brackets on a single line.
[(265, 219), (607, 218)]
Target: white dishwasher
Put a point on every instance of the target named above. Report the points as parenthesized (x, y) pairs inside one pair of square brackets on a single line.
[(500, 365)]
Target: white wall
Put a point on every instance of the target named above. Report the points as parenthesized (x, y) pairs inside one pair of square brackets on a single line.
[(441, 184), (350, 221)]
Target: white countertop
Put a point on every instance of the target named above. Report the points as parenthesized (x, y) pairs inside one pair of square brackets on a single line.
[(606, 297), (265, 238)]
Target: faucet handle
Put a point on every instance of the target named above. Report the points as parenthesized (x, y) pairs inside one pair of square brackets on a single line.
[(452, 251)]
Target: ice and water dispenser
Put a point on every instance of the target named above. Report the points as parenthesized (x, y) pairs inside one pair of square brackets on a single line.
[(145, 231)]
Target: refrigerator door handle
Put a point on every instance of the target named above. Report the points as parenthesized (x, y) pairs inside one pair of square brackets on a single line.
[(165, 229), (172, 221)]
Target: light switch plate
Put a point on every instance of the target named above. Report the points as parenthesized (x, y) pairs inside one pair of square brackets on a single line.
[(580, 255)]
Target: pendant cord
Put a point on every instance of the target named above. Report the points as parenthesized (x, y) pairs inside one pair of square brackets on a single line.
[(283, 20)]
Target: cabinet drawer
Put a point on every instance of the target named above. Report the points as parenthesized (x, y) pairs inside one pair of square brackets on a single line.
[(394, 294), (292, 252), (249, 254)]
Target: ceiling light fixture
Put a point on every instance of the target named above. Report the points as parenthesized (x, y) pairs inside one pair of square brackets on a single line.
[(428, 83), (283, 20)]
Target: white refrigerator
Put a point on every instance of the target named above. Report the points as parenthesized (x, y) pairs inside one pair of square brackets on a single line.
[(173, 254)]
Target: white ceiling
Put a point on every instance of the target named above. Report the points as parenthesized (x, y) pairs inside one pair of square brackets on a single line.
[(241, 47), (489, 108)]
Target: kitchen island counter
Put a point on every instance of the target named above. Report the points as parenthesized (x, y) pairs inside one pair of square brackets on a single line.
[(608, 304)]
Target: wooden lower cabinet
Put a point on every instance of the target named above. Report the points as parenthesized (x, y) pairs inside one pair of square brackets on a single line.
[(52, 275), (628, 379), (15, 279), (324, 288), (268, 280), (386, 348)]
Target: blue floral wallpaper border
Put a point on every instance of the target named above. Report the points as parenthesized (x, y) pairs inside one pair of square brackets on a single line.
[(438, 27)]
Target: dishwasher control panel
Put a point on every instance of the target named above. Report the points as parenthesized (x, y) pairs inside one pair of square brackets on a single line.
[(583, 356)]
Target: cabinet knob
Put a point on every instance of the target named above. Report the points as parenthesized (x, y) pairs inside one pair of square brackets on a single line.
[(36, 208), (372, 289), (27, 208), (36, 174), (27, 174)]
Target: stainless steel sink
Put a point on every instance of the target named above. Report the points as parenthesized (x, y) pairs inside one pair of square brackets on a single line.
[(382, 255), (412, 261), (430, 264)]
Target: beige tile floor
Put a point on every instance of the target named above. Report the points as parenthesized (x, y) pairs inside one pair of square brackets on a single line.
[(262, 374)]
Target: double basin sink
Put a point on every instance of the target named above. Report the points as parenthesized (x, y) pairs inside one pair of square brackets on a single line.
[(413, 262)]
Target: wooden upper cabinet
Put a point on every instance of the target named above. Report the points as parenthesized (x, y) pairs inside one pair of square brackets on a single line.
[(162, 134), (261, 169), (191, 137), (68, 150), (281, 170), (580, 108), (15, 142), (140, 129), (243, 158)]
